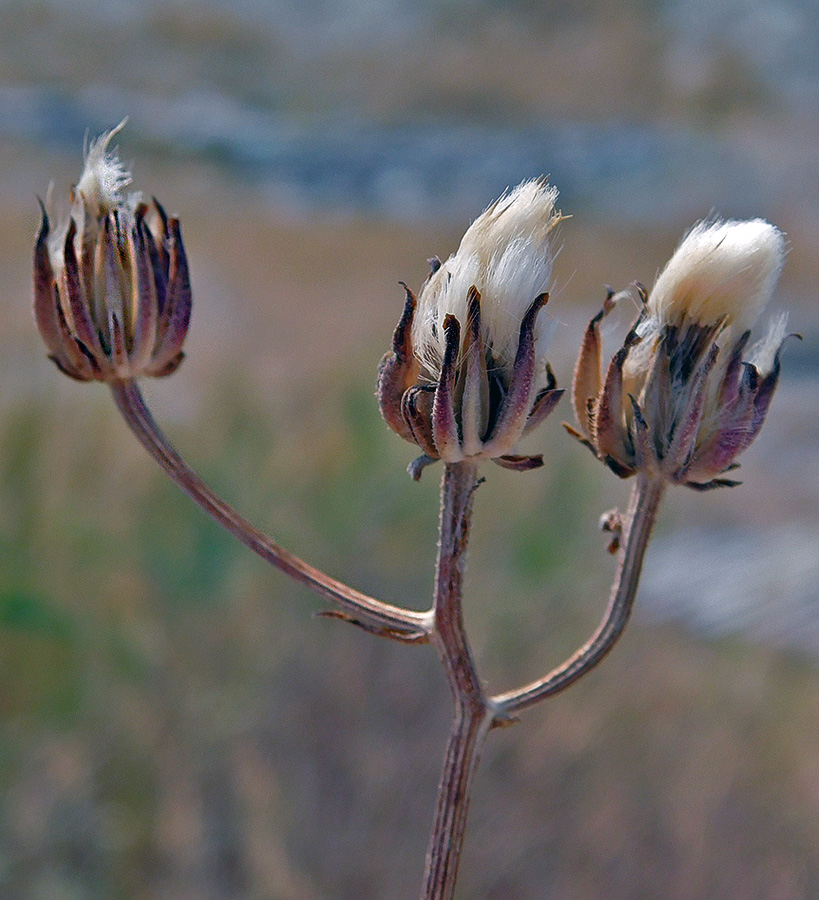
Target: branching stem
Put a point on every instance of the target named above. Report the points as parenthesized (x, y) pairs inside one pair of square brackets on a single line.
[(475, 712), (383, 618)]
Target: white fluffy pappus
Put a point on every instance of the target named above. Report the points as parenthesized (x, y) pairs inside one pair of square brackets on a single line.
[(723, 270), (100, 190), (507, 254), (104, 177)]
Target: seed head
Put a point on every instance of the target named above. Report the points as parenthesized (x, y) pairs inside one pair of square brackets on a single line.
[(112, 296), (721, 272), (682, 398), (467, 374)]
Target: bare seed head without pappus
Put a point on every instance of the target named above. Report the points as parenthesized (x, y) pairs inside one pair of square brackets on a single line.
[(112, 296), (467, 374), (684, 396)]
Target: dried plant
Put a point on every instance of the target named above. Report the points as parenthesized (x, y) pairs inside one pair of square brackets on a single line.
[(466, 377)]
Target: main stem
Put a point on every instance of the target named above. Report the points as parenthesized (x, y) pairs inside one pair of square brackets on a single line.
[(473, 714)]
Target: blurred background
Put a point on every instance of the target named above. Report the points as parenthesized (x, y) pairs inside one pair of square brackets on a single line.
[(174, 721)]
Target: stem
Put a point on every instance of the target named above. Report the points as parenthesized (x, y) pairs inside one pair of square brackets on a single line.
[(383, 618), (457, 492), (642, 512), (473, 713), (463, 753)]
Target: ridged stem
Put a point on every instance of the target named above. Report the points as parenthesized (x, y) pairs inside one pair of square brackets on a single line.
[(473, 714)]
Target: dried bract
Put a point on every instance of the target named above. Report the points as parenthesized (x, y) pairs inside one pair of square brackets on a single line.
[(681, 399), (467, 374), (112, 296)]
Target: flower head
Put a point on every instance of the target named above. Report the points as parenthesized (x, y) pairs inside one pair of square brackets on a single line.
[(682, 398), (722, 271), (112, 295), (467, 374)]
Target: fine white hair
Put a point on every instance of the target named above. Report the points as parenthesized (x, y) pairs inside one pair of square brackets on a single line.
[(722, 271), (104, 177), (100, 190), (507, 255)]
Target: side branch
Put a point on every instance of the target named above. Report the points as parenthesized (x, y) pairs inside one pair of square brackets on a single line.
[(381, 618), (645, 500)]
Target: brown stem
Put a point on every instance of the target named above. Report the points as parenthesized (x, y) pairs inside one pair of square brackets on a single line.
[(469, 729), (457, 492), (473, 714), (645, 500), (383, 618)]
